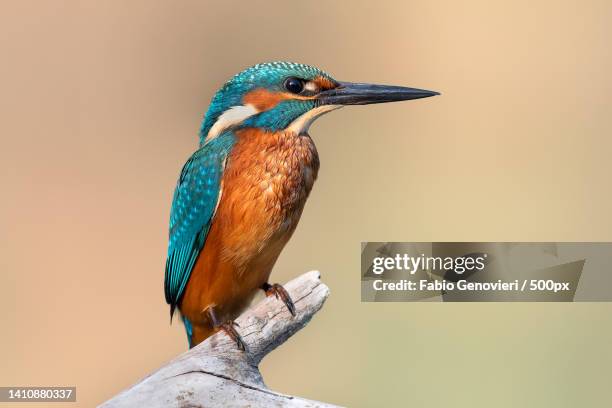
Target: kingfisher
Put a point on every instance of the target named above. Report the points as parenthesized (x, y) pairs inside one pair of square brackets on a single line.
[(240, 196)]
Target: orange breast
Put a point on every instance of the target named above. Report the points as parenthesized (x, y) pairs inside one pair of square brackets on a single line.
[(266, 182)]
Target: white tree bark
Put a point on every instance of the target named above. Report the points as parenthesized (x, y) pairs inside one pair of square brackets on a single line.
[(216, 374)]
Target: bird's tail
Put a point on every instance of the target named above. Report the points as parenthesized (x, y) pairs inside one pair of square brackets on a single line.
[(188, 329)]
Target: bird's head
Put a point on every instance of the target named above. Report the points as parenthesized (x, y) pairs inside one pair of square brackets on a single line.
[(285, 95)]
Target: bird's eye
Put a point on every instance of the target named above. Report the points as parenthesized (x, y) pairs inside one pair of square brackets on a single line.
[(294, 85)]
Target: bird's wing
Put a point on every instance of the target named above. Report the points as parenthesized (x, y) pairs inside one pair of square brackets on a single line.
[(195, 200)]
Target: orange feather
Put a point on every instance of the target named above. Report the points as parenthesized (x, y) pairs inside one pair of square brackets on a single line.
[(266, 182)]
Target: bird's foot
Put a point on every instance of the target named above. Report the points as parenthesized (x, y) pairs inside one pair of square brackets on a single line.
[(227, 327), (280, 293), (230, 330)]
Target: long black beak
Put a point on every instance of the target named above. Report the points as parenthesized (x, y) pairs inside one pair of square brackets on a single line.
[(348, 93)]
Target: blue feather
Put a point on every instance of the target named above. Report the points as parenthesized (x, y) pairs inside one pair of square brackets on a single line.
[(192, 212), (269, 75), (188, 330)]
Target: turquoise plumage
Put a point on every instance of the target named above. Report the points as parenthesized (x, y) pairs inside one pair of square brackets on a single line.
[(267, 75), (193, 206)]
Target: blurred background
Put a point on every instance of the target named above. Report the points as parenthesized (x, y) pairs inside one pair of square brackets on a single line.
[(101, 103)]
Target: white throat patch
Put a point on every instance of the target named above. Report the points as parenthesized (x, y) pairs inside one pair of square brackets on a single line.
[(231, 117), (302, 123)]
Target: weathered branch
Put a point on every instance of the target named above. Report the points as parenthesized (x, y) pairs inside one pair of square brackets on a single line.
[(215, 373)]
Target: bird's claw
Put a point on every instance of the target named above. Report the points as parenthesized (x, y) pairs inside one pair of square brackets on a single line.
[(282, 294), (228, 328)]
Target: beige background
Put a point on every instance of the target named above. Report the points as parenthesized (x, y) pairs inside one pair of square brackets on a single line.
[(101, 102)]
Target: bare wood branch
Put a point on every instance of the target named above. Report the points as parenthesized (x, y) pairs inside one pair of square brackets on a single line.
[(215, 373)]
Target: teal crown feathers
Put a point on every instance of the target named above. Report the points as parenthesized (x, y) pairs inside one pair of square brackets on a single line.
[(271, 76)]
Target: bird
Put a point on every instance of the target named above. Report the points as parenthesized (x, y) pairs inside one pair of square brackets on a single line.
[(240, 195)]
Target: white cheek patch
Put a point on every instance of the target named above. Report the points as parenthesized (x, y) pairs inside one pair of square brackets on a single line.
[(311, 86), (231, 117), (302, 123)]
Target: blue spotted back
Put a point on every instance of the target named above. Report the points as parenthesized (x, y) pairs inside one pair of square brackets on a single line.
[(193, 207)]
